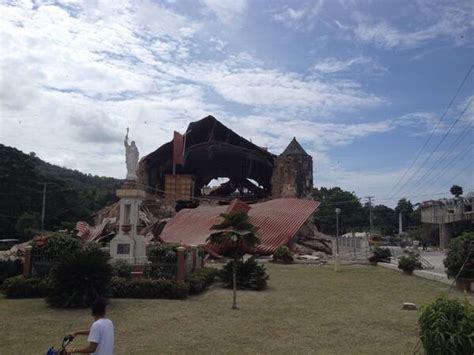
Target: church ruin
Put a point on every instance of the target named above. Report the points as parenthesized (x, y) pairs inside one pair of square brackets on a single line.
[(183, 168)]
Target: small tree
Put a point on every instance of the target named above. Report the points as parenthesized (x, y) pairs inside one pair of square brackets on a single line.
[(456, 190), (459, 258), (81, 276), (236, 234)]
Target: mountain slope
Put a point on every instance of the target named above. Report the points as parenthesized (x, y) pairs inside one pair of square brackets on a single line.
[(70, 194)]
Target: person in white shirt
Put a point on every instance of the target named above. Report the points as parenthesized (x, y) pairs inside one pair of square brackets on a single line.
[(100, 335)]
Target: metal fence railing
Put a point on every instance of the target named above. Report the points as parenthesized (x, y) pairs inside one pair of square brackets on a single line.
[(42, 263), (173, 265)]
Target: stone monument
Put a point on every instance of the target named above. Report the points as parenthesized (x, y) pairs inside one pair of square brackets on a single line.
[(127, 244)]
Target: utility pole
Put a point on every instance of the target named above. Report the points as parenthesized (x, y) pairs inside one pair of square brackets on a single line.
[(44, 207), (370, 213), (337, 263)]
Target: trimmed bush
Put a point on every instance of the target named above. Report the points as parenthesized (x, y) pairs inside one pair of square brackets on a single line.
[(9, 268), (459, 249), (200, 280), (250, 275), (447, 327), (147, 288), (121, 268), (19, 287), (408, 263), (380, 255), (80, 277), (283, 255)]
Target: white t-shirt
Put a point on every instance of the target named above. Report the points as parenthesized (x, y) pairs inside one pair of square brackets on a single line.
[(102, 333)]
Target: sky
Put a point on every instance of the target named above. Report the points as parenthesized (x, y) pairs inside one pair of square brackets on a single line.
[(366, 87)]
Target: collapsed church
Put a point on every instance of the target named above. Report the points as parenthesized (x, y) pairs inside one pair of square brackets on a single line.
[(209, 170), (182, 169)]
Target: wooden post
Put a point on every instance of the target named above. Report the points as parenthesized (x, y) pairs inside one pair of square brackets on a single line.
[(194, 255), (28, 261), (180, 267)]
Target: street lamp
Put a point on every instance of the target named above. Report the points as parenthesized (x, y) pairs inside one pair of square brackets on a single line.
[(338, 210), (337, 263)]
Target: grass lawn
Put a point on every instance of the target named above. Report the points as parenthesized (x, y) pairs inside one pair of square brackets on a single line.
[(306, 309)]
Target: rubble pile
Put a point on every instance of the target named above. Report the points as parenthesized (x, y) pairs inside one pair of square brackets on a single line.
[(153, 216), (15, 252)]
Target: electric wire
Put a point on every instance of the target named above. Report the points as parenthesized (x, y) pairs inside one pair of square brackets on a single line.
[(399, 191), (418, 154), (443, 158)]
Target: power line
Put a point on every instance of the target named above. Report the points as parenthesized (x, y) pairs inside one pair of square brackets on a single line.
[(59, 190), (437, 146), (418, 154), (443, 158), (448, 166), (459, 172)]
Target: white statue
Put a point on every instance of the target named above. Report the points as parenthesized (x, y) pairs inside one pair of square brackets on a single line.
[(131, 158)]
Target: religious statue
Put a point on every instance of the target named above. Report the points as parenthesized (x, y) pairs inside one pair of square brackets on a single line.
[(131, 158)]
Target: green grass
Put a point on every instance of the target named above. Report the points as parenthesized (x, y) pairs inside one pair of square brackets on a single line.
[(306, 309)]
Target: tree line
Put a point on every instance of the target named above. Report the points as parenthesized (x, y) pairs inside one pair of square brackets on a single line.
[(70, 194), (355, 215)]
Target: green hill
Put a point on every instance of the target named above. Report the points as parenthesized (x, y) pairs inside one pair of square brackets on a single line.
[(70, 194)]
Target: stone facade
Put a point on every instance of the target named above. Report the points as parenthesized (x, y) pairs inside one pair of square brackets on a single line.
[(293, 173)]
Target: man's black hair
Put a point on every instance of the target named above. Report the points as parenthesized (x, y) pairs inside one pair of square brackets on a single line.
[(98, 307)]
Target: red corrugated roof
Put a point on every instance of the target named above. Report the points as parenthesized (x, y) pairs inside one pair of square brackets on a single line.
[(277, 220), (238, 206)]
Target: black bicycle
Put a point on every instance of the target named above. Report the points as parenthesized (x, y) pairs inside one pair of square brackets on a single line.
[(62, 350)]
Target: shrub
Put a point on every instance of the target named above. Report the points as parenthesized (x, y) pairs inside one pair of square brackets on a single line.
[(147, 288), (408, 263), (79, 278), (121, 268), (250, 275), (9, 268), (200, 279), (60, 242), (459, 249), (447, 327), (380, 255), (19, 287), (162, 253), (46, 256), (282, 254)]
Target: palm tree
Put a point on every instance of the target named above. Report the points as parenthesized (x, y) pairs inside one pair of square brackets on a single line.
[(236, 234)]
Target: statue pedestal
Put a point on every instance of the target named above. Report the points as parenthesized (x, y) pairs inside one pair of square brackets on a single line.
[(127, 244)]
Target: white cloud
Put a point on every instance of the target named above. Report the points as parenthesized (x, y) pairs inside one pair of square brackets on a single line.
[(384, 35), (163, 21), (227, 11), (250, 84), (302, 18), (333, 65), (448, 20), (315, 136), (88, 73)]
